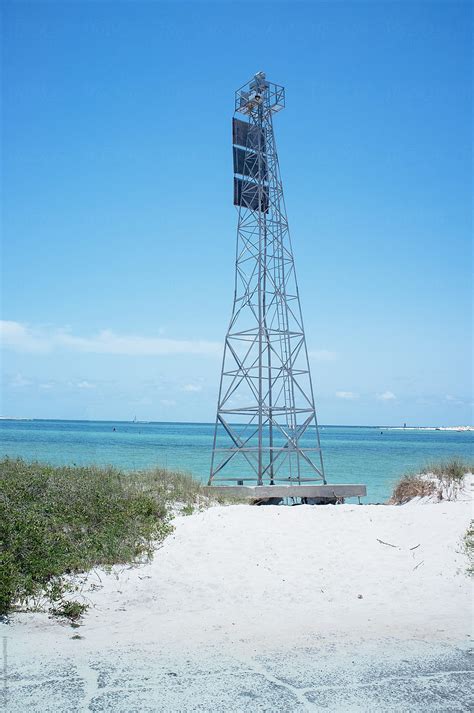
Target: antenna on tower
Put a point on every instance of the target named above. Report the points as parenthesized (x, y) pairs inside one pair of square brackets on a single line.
[(266, 426)]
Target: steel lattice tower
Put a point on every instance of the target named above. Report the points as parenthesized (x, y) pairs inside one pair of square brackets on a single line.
[(266, 426)]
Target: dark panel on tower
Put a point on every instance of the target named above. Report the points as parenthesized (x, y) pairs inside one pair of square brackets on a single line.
[(239, 132), (246, 164), (246, 195), (246, 134)]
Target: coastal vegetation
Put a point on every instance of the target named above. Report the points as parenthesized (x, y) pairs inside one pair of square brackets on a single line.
[(59, 521), (442, 479), (56, 521)]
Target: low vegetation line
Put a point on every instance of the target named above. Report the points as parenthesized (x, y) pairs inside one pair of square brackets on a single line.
[(58, 521), (441, 480)]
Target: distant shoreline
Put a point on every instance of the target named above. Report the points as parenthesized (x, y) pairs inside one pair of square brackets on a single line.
[(211, 423), (429, 428)]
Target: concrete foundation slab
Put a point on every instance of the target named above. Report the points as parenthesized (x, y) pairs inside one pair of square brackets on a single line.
[(289, 491)]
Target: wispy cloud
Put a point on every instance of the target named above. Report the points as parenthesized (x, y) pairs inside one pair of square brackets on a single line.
[(167, 402), (85, 385), (24, 338), (386, 396), (191, 388), (21, 338), (19, 381), (348, 395), (454, 400)]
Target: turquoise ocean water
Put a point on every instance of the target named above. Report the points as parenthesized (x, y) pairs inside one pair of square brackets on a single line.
[(351, 454)]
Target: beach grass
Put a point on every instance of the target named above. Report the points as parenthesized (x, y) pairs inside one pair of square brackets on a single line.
[(449, 474), (57, 521), (452, 470)]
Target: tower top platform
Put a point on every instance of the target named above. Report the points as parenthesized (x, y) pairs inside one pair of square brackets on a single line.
[(259, 92)]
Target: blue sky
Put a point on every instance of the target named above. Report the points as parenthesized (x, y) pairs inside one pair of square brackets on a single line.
[(118, 224)]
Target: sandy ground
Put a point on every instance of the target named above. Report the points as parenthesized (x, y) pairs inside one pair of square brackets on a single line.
[(340, 608)]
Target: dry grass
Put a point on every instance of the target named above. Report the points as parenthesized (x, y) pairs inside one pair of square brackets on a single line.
[(450, 471), (178, 490), (409, 487), (447, 479)]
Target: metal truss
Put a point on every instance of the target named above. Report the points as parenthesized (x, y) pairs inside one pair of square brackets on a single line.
[(266, 427)]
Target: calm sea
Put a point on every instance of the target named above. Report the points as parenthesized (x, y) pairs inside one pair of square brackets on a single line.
[(351, 454)]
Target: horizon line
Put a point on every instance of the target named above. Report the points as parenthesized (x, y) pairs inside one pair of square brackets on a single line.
[(212, 423)]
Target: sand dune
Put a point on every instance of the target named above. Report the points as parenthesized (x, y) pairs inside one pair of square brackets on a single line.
[(235, 589)]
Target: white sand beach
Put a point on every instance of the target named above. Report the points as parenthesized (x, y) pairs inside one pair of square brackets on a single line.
[(249, 608)]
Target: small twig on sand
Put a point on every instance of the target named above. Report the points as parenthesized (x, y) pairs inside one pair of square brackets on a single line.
[(389, 544), (414, 548), (418, 565)]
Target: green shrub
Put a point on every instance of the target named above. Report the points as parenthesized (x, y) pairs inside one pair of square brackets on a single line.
[(69, 610), (56, 521)]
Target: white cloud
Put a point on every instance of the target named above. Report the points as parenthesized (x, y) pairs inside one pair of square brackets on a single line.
[(21, 337), (191, 387), (322, 355), (85, 385), (168, 402), (386, 396), (454, 400), (19, 381), (349, 395), (46, 387)]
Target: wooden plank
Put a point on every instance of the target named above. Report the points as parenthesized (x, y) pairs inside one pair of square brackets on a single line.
[(289, 491)]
